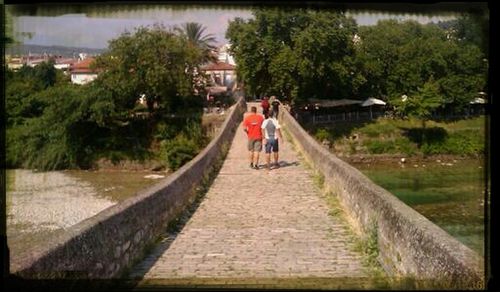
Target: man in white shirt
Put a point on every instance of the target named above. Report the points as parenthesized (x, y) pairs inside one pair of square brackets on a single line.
[(271, 132)]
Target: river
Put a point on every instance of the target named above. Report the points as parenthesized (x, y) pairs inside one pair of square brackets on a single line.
[(450, 193), (40, 204)]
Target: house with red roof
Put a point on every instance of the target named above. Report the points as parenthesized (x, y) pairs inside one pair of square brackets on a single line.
[(82, 73), (221, 74), (64, 64)]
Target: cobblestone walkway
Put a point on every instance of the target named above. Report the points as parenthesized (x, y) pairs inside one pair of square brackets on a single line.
[(258, 223)]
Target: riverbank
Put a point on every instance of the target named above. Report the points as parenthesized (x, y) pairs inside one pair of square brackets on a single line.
[(42, 204), (404, 138)]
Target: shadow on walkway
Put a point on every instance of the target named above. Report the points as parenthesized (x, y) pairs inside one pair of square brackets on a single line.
[(281, 163)]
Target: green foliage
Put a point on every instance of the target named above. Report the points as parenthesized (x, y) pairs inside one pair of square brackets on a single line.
[(323, 134), (53, 124), (194, 33), (460, 143), (52, 140), (405, 146), (426, 135), (379, 147), (473, 28), (409, 58), (382, 127), (289, 52), (392, 136), (178, 151), (422, 103), (184, 146), (153, 62)]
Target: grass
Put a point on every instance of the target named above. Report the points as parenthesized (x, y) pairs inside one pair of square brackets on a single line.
[(407, 137)]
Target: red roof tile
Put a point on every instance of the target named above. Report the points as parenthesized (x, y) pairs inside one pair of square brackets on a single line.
[(83, 66), (218, 67)]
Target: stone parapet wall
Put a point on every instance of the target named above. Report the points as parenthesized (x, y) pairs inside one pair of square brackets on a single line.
[(409, 244), (107, 244)]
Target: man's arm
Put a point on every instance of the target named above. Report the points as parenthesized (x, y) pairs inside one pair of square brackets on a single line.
[(263, 132), (244, 126), (280, 137), (278, 130)]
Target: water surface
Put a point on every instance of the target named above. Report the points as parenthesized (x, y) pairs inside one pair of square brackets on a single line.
[(449, 193)]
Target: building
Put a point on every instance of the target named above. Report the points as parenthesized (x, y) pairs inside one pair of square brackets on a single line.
[(81, 72), (221, 73), (64, 64), (14, 63), (223, 54)]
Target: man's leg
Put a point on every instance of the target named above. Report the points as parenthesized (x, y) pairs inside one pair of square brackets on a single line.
[(250, 157), (267, 150), (256, 159), (257, 149), (276, 153)]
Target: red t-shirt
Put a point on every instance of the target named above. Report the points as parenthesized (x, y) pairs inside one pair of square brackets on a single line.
[(265, 104), (252, 123)]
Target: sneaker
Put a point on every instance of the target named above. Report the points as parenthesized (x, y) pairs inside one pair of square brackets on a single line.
[(251, 165), (256, 167)]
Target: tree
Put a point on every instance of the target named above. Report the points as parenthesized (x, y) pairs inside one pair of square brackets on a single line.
[(473, 28), (152, 62), (422, 102), (49, 141), (194, 33), (289, 52), (398, 58)]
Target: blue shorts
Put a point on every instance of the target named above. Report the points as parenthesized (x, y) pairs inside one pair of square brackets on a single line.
[(272, 144)]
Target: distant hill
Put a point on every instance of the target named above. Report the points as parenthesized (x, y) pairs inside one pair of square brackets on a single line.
[(22, 49)]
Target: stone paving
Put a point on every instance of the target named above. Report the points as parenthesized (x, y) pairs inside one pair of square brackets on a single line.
[(258, 224)]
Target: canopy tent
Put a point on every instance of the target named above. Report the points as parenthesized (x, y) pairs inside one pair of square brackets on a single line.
[(372, 101), (478, 100), (333, 102)]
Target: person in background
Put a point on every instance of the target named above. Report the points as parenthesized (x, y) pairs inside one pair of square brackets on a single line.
[(265, 105), (275, 105), (271, 131), (252, 126)]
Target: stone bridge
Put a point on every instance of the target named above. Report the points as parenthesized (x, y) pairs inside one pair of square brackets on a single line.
[(315, 222)]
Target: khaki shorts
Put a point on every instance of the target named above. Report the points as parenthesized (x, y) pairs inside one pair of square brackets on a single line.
[(254, 145)]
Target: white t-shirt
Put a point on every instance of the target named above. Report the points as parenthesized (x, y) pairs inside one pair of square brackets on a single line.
[(270, 126)]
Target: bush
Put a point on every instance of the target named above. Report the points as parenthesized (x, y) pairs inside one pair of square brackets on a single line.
[(185, 146), (178, 151), (459, 143), (323, 134)]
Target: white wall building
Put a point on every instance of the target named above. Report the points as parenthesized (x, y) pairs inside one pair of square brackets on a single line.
[(81, 73), (224, 56)]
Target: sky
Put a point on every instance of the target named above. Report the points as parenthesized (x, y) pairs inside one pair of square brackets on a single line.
[(80, 30)]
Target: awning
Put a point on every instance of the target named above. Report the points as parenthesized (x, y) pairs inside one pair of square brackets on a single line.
[(333, 102), (371, 101), (478, 100)]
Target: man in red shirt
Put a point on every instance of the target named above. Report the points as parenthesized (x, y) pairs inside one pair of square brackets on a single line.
[(251, 125), (265, 105)]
